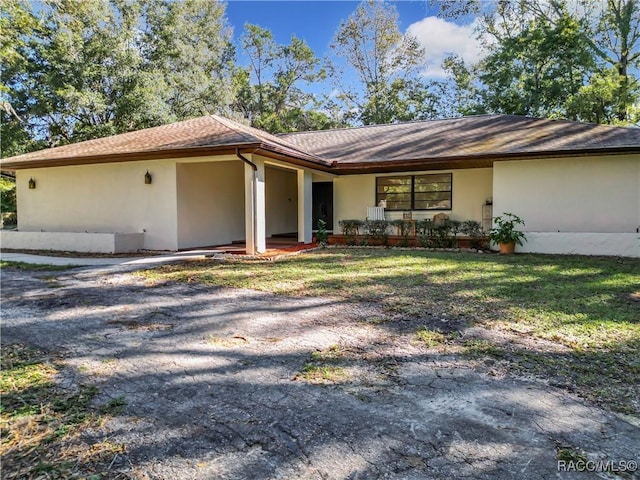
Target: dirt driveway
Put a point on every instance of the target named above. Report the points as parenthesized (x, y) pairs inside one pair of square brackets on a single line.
[(234, 384)]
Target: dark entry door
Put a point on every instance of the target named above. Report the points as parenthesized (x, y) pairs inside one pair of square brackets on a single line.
[(322, 193)]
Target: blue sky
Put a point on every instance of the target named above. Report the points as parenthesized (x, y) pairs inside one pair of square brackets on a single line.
[(317, 21), (314, 21)]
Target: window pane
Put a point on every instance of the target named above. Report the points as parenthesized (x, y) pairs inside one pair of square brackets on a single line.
[(430, 192), (433, 196), (433, 205), (398, 197), (394, 188), (406, 180), (433, 187), (393, 205), (442, 178)]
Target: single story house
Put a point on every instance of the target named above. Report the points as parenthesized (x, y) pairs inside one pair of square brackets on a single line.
[(211, 181)]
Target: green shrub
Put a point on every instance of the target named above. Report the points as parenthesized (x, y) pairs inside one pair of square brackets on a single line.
[(442, 235), (404, 228), (506, 232), (425, 232), (377, 231), (474, 231), (350, 229), (322, 237)]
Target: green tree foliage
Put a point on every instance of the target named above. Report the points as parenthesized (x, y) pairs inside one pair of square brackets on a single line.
[(386, 64), (270, 91), (16, 24), (190, 55), (535, 72), (576, 60), (96, 68), (8, 199)]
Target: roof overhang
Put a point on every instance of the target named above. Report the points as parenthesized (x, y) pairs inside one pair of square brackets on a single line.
[(470, 161), (303, 160)]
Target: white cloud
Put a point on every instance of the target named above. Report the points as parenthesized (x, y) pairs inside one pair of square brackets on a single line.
[(441, 39)]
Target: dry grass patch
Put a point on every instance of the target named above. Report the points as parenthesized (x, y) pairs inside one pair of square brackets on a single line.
[(42, 424), (325, 366), (227, 342)]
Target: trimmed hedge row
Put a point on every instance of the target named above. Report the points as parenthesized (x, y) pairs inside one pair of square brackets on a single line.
[(428, 233)]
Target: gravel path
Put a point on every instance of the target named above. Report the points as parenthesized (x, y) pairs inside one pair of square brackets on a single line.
[(213, 387)]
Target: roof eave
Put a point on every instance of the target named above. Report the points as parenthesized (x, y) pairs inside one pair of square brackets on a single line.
[(467, 161), (199, 151), (299, 158)]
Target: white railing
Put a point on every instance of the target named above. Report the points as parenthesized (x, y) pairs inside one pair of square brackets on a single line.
[(375, 213)]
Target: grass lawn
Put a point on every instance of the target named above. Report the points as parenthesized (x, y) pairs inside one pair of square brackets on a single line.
[(34, 266), (41, 423), (586, 310)]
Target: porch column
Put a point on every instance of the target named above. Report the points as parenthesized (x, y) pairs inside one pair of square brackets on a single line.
[(255, 210), (305, 233)]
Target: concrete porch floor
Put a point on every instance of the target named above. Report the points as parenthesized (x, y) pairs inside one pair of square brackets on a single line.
[(275, 246)]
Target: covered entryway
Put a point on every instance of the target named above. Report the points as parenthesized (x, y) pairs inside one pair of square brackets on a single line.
[(281, 197), (322, 204), (246, 201), (210, 203)]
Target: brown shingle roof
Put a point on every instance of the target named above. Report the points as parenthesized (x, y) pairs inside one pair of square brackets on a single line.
[(451, 143), (190, 137), (469, 138)]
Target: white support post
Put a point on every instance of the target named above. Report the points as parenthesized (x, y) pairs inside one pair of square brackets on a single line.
[(255, 208), (305, 232), (260, 208), (249, 208)]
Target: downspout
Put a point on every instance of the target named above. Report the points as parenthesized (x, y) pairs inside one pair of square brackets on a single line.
[(253, 196)]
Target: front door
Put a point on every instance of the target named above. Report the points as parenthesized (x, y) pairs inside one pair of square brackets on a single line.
[(322, 193)]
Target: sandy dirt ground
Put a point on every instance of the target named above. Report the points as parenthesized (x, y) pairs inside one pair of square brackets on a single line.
[(214, 386)]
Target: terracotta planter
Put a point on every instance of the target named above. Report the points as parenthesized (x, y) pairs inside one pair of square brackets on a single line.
[(507, 248)]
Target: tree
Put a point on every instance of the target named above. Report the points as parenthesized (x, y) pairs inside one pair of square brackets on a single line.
[(537, 70), (617, 43), (17, 23), (8, 199), (275, 101), (96, 68), (385, 63), (576, 60), (190, 55)]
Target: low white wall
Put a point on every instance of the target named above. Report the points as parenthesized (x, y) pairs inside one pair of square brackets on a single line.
[(72, 241), (613, 244)]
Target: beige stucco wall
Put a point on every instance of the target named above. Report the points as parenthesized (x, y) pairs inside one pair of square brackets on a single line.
[(281, 201), (210, 203), (590, 194), (103, 198), (471, 189)]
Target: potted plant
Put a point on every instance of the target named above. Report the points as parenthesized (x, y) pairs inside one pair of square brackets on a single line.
[(505, 234)]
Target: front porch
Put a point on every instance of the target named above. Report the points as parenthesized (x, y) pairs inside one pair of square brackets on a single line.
[(243, 203), (274, 246)]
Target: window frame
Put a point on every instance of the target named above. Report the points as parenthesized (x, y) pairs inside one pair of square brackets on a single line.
[(413, 192)]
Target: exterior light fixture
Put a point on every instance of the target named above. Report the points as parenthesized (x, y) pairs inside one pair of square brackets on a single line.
[(147, 178), (32, 184)]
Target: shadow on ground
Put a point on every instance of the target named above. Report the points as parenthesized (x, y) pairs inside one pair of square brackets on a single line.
[(213, 384)]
